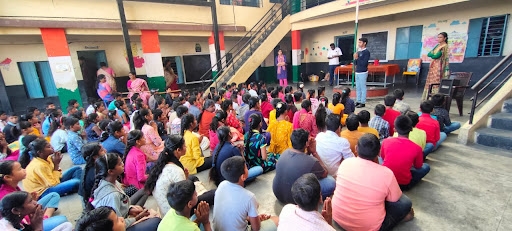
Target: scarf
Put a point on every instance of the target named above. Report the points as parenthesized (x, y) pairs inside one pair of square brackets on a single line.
[(280, 59)]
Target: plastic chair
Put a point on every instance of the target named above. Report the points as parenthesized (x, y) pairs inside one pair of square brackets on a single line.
[(460, 85), (446, 89), (413, 69)]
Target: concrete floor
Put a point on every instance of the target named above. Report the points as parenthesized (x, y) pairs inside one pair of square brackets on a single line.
[(468, 187)]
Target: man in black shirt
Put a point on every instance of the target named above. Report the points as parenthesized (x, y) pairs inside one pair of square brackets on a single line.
[(361, 58), (294, 163)]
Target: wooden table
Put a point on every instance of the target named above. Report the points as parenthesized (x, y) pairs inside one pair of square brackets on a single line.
[(389, 70)]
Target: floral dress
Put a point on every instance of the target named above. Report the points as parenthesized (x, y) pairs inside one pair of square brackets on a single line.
[(252, 152)]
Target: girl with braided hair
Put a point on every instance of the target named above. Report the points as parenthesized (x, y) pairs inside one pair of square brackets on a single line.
[(193, 160), (218, 120), (224, 151), (17, 206), (337, 107), (107, 191), (135, 160), (168, 169), (90, 152), (11, 174), (280, 131), (255, 148), (143, 120)]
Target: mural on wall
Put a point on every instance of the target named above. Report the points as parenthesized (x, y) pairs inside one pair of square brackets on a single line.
[(457, 31), (316, 52), (6, 64), (138, 61)]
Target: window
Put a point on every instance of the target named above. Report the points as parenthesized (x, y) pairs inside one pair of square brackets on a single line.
[(408, 42), (253, 3), (486, 36), (38, 79)]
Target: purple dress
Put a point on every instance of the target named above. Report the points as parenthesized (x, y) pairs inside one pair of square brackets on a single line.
[(281, 70)]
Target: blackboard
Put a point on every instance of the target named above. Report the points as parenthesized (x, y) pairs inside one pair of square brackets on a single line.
[(377, 45), (196, 66)]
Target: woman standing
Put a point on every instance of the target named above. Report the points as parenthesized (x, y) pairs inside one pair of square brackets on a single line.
[(440, 64), (140, 86), (170, 77), (109, 74), (104, 90), (281, 68)]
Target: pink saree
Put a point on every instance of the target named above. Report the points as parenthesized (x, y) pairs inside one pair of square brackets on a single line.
[(139, 86)]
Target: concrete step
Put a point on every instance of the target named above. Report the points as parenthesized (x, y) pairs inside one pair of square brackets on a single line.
[(507, 106), (501, 121), (494, 138)]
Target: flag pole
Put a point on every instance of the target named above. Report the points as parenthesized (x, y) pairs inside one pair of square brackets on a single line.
[(355, 42)]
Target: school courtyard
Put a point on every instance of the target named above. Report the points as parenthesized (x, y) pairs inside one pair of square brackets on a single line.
[(468, 188)]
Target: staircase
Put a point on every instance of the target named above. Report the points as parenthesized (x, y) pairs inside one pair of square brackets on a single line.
[(498, 132), (491, 124), (252, 49)]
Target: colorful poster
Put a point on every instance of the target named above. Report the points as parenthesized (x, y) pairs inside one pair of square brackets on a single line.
[(457, 31)]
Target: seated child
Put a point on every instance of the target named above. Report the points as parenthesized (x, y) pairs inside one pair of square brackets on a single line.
[(100, 219), (443, 116), (235, 205), (378, 123), (182, 197)]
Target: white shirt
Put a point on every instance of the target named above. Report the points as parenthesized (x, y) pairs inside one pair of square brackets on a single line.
[(90, 110), (59, 139), (170, 174), (253, 93), (335, 52), (233, 204), (332, 149)]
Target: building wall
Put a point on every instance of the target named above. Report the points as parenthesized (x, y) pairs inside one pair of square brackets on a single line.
[(323, 36), (106, 10), (115, 52)]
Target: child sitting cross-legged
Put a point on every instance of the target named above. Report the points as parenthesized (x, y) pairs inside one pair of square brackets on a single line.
[(107, 191), (182, 197), (11, 174), (235, 205)]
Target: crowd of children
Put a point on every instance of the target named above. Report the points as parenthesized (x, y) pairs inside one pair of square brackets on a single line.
[(124, 152)]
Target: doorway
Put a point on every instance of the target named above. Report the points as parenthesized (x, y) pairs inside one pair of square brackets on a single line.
[(346, 44), (89, 65)]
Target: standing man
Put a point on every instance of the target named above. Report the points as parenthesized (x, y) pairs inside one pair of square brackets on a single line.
[(334, 60), (361, 58)]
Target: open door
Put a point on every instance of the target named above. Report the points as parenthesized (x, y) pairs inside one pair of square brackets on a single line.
[(346, 44)]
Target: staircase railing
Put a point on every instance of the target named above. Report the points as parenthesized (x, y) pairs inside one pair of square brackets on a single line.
[(246, 45), (504, 65)]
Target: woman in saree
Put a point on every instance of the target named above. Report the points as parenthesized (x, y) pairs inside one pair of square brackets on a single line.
[(136, 85), (281, 68), (103, 89), (170, 77), (439, 66), (109, 74)]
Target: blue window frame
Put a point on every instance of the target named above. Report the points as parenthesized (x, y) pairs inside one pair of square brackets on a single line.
[(486, 36), (38, 79), (408, 42)]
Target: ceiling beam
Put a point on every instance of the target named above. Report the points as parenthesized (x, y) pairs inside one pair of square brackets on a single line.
[(178, 2)]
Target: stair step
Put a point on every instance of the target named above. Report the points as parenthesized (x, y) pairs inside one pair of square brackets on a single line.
[(507, 106), (501, 121), (494, 138)]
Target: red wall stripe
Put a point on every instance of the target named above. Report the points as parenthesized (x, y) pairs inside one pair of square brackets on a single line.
[(296, 40), (55, 42), (221, 40), (150, 41)]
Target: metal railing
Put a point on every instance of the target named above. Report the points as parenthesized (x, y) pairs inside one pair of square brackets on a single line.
[(246, 45), (504, 65)]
